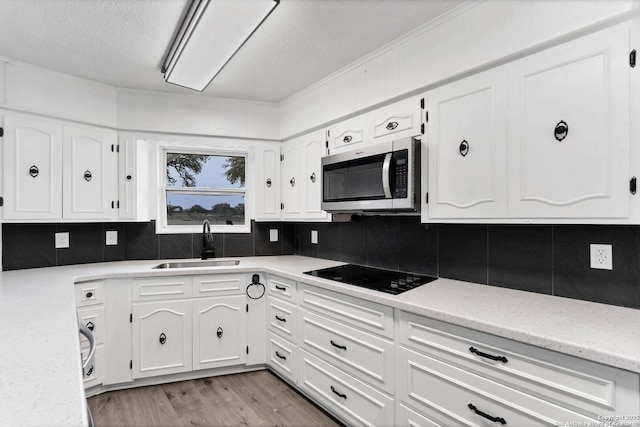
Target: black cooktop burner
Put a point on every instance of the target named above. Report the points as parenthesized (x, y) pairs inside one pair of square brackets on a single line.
[(391, 282)]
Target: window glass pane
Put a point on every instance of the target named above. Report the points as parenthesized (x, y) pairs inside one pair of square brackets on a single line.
[(192, 209), (203, 170)]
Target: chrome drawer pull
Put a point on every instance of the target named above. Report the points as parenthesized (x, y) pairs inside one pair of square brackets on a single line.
[(341, 347), (337, 393), (280, 319), (488, 356), (280, 356), (487, 416)]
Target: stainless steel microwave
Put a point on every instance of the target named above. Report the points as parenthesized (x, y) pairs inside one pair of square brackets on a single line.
[(381, 177)]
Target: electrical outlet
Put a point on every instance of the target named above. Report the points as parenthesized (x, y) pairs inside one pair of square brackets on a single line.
[(62, 240), (601, 257), (314, 237), (111, 238), (273, 235)]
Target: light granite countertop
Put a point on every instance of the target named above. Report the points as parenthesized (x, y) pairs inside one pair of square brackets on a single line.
[(40, 374)]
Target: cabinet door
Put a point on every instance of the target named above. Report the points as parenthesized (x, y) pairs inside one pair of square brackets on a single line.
[(219, 332), (161, 338), (90, 173), (127, 157), (395, 121), (467, 148), (32, 163), (314, 150), (291, 177), (569, 130), (268, 182), (348, 135)]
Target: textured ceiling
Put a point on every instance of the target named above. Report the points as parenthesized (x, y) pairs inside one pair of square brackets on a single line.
[(123, 42)]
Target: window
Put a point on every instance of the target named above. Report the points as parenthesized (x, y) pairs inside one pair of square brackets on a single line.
[(204, 185)]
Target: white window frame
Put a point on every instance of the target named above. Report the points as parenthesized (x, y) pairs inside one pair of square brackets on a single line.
[(162, 227)]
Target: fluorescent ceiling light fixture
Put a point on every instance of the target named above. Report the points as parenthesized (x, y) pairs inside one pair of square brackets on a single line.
[(211, 33)]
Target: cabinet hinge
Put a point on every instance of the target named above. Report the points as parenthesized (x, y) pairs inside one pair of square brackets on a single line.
[(282, 157), (422, 104), (118, 148), (632, 58), (247, 308), (1, 132), (633, 185), (422, 128), (1, 201), (247, 349), (118, 204), (281, 206), (426, 198), (131, 318), (426, 117), (112, 148), (130, 364)]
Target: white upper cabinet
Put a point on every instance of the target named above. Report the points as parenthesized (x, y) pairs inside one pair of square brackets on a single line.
[(399, 120), (544, 138), (54, 171), (348, 135), (467, 162), (569, 130), (90, 169), (268, 181), (127, 177), (302, 177), (32, 164)]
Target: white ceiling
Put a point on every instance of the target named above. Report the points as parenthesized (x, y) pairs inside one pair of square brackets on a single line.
[(123, 42)]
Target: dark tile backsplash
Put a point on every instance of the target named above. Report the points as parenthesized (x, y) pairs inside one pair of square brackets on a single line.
[(548, 259)]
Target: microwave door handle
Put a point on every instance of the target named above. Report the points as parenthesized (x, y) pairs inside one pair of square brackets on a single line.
[(386, 169)]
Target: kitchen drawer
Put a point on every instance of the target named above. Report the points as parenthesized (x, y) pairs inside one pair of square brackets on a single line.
[(282, 288), (586, 387), (94, 374), (449, 394), (219, 284), (161, 288), (283, 357), (89, 293), (359, 353), (282, 318), (350, 399), (356, 312), (92, 318), (406, 416)]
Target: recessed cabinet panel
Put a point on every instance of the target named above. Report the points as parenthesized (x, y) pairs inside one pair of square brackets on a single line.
[(219, 332), (161, 338), (467, 135), (32, 163), (314, 151), (569, 130), (291, 180), (347, 135), (127, 177), (396, 121), (90, 170)]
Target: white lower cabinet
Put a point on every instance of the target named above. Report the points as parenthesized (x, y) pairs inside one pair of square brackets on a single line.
[(350, 399), (458, 376), (162, 342), (283, 357), (219, 332)]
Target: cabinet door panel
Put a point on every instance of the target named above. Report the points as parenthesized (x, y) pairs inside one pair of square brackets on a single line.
[(90, 173), (314, 151), (467, 139), (291, 180), (569, 130), (32, 163), (219, 332), (268, 194), (161, 338)]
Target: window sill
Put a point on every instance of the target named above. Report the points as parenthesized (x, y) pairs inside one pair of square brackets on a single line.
[(196, 229)]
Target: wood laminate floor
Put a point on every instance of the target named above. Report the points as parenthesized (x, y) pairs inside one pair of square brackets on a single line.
[(249, 399)]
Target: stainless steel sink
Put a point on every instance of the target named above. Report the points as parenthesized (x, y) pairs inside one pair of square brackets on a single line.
[(197, 264)]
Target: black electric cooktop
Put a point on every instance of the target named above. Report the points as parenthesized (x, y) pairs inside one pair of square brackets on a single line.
[(391, 282)]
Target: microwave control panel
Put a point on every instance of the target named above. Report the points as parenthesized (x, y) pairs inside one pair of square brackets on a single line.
[(401, 169)]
